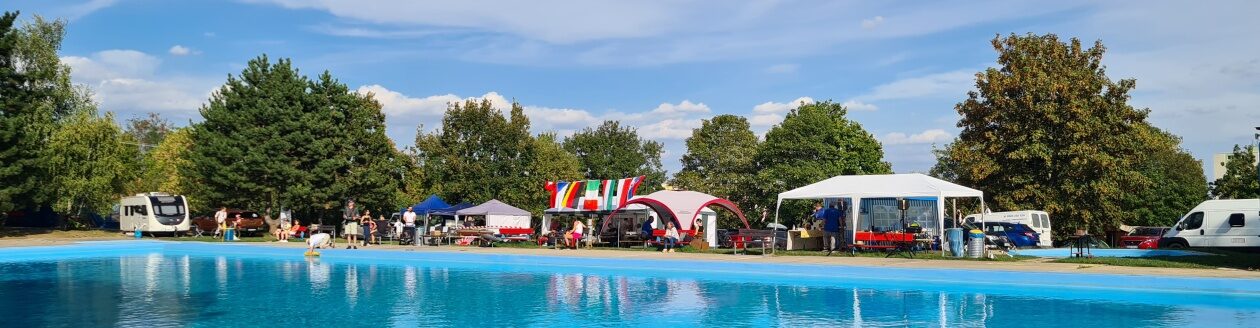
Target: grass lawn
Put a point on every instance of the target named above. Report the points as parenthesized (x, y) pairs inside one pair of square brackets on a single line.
[(1221, 259)]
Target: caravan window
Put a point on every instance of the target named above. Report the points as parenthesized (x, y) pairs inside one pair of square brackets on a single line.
[(1036, 220), (1237, 220), (1193, 221), (1045, 221)]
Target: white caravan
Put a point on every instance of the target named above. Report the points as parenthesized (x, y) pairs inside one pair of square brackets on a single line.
[(1217, 223), (1039, 221), (154, 212)]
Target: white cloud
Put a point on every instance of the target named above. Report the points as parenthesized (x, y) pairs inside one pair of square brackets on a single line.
[(126, 81), (110, 64), (953, 84), (782, 68), (671, 129), (179, 50), (609, 32), (925, 137), (686, 107), (765, 120), (559, 119), (396, 104), (872, 22), (771, 107), (858, 106)]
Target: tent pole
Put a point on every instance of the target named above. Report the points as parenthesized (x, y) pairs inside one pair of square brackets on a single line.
[(774, 232), (855, 209), (940, 221), (983, 217)]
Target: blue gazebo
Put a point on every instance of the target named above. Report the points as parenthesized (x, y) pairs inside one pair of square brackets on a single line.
[(428, 205)]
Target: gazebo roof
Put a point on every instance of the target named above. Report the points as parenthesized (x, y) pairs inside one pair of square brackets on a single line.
[(683, 206)]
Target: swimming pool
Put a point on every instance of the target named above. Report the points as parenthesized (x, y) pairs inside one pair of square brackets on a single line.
[(156, 284)]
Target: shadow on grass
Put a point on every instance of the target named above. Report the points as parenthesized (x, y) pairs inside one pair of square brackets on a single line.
[(1220, 259), (9, 232)]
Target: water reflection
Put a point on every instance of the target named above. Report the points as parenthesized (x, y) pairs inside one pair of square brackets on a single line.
[(176, 291)]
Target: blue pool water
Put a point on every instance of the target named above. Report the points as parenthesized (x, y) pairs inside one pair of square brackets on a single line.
[(212, 285)]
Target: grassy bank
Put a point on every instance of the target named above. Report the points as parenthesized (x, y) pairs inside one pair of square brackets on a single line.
[(1218, 259)]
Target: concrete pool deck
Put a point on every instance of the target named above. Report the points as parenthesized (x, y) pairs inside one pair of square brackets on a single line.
[(1020, 266)]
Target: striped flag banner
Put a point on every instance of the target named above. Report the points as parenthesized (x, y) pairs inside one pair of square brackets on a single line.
[(592, 194)]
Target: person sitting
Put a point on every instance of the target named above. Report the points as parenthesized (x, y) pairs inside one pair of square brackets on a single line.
[(296, 230), (574, 237), (671, 237), (281, 233), (646, 230)]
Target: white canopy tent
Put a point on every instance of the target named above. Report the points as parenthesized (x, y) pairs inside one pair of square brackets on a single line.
[(881, 186), (498, 215)]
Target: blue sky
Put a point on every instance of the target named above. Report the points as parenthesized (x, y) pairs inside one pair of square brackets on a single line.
[(665, 65)]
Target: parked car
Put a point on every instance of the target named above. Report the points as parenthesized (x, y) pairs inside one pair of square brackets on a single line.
[(251, 223), (1020, 235), (1143, 237), (1038, 220)]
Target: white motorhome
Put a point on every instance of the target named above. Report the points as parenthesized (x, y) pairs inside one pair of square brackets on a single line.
[(154, 212), (1038, 220), (1217, 223)]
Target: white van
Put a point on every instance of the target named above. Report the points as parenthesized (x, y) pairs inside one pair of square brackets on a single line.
[(1038, 220), (154, 212), (1217, 223)]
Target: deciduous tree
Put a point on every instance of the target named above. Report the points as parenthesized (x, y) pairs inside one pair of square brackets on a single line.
[(719, 161), (1047, 129), (1240, 180), (814, 142), (480, 154), (614, 151)]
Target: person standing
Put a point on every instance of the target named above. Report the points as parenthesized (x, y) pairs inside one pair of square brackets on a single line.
[(220, 221), (368, 226), (409, 225), (831, 228), (350, 222)]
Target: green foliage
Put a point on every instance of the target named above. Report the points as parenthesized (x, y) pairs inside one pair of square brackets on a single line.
[(89, 161), (272, 138), (163, 167), (479, 154), (814, 142), (1176, 179), (1240, 180), (35, 92), (1048, 130), (719, 161), (149, 131), (551, 163), (613, 151)]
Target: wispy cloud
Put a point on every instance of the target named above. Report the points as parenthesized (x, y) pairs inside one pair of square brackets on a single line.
[(75, 12)]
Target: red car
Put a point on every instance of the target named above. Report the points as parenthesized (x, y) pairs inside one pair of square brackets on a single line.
[(1143, 237)]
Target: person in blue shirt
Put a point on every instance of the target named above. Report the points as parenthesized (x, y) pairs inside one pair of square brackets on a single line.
[(832, 218)]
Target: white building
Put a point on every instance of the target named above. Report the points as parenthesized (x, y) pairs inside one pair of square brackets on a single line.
[(1218, 164)]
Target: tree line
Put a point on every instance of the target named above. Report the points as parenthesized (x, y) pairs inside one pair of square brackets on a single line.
[(1044, 129)]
